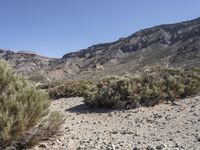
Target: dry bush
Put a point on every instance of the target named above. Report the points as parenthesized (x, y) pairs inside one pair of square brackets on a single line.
[(72, 89), (155, 85), (47, 128), (22, 107)]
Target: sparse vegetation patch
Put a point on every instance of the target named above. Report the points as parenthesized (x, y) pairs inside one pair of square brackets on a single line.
[(154, 86), (72, 89)]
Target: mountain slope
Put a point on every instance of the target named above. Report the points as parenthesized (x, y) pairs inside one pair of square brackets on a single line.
[(176, 45), (179, 39)]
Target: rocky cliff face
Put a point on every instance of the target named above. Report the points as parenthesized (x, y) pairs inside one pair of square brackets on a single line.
[(176, 45)]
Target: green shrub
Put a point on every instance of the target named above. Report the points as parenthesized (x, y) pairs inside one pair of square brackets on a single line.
[(22, 108), (111, 92), (72, 89), (155, 85)]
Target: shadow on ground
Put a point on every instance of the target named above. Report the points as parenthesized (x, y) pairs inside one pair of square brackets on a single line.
[(84, 109)]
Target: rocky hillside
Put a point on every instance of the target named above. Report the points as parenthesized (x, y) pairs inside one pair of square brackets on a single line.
[(176, 45), (24, 61)]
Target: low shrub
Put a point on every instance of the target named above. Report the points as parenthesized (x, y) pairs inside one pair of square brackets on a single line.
[(155, 85), (72, 89), (110, 92), (22, 109)]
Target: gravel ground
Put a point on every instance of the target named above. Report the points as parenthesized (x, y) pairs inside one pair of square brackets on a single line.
[(165, 126)]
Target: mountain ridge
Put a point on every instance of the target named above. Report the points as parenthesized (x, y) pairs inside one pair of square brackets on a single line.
[(130, 36), (174, 45)]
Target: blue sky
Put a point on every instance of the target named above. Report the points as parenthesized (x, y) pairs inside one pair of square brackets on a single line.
[(55, 27)]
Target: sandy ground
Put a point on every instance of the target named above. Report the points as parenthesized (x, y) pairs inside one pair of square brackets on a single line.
[(165, 126)]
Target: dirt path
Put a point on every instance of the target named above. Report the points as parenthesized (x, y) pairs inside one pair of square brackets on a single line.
[(164, 126)]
